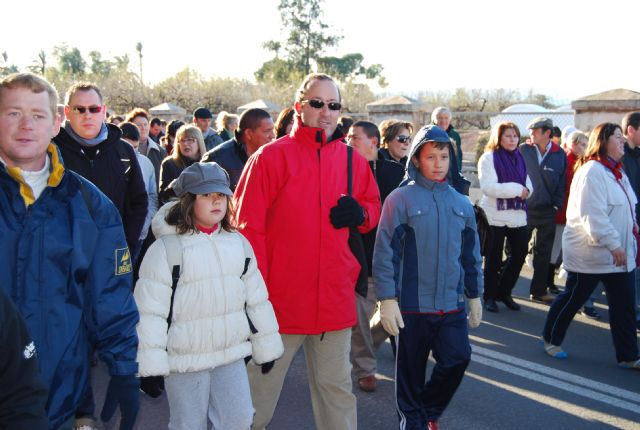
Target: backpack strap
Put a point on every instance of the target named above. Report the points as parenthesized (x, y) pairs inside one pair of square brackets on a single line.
[(173, 247)]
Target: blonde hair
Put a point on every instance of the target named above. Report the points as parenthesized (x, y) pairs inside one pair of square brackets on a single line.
[(187, 131), (34, 83), (225, 118)]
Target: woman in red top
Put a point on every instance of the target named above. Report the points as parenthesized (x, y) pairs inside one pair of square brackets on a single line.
[(574, 147)]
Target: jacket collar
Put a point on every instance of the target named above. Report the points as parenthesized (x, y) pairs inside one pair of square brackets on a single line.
[(554, 146), (433, 186), (56, 172), (312, 135), (152, 145)]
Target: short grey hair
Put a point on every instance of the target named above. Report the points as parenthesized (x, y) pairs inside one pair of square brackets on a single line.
[(576, 136), (439, 110), (309, 79)]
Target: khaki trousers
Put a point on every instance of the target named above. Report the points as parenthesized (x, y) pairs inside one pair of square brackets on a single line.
[(363, 353), (328, 370)]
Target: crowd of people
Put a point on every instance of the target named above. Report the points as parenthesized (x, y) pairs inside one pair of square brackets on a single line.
[(166, 252)]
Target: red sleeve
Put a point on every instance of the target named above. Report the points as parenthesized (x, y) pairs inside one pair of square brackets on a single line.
[(253, 196)]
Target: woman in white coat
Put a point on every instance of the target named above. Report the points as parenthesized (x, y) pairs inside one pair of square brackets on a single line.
[(598, 244), (505, 187)]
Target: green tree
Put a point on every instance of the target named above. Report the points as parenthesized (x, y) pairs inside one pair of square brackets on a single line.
[(350, 66), (70, 60), (99, 67), (308, 36)]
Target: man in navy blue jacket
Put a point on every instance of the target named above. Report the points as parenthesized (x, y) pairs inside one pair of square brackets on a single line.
[(68, 268), (546, 166), (255, 129)]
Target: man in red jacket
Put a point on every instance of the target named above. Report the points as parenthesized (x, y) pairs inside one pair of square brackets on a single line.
[(292, 195)]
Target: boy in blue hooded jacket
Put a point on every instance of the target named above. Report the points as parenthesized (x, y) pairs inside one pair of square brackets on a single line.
[(426, 260)]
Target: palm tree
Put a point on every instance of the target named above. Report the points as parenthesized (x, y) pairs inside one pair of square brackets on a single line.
[(139, 49)]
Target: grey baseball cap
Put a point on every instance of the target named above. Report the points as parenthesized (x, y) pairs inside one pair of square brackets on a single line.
[(202, 178), (539, 123)]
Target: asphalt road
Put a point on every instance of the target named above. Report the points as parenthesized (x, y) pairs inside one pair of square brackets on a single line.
[(510, 384)]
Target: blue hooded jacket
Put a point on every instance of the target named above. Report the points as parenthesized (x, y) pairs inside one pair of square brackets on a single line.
[(68, 269), (427, 252)]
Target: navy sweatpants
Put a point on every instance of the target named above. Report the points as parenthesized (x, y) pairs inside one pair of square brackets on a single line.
[(447, 336), (620, 288)]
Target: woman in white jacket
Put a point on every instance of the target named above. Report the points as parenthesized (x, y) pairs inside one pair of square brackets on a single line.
[(505, 187), (598, 244), (218, 313)]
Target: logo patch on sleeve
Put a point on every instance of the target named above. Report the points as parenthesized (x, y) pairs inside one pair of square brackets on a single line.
[(123, 261)]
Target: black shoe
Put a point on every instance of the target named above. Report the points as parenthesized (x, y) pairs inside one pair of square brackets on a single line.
[(545, 299), (590, 312), (510, 303), (554, 290), (491, 306)]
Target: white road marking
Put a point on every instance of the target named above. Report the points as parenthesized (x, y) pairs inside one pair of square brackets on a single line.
[(584, 413), (532, 367)]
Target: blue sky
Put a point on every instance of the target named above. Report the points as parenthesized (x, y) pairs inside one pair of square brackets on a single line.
[(560, 48)]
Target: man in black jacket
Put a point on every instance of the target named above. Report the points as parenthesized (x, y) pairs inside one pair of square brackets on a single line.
[(255, 129), (631, 163), (93, 149), (364, 137), (23, 395)]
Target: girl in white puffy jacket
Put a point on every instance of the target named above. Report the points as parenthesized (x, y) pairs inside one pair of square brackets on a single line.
[(219, 313)]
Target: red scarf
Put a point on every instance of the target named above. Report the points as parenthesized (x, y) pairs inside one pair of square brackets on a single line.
[(609, 163), (207, 230)]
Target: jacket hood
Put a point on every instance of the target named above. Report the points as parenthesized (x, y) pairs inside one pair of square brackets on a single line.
[(159, 225), (428, 133)]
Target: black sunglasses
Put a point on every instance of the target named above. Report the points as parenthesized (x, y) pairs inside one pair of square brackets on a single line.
[(319, 104), (82, 109), (403, 138)]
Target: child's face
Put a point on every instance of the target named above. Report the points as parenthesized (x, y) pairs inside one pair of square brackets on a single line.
[(209, 209), (433, 163)]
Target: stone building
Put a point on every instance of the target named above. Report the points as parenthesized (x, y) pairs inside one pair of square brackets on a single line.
[(169, 112), (608, 106), (399, 107)]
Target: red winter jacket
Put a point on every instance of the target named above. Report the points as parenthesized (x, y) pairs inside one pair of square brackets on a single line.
[(561, 215), (284, 196)]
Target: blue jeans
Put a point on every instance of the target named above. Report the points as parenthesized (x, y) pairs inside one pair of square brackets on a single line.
[(621, 297)]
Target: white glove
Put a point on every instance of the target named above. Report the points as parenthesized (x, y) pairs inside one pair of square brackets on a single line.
[(390, 316), (474, 311)]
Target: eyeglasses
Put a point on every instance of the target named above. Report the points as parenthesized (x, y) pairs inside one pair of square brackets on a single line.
[(403, 139), (82, 109), (319, 104)]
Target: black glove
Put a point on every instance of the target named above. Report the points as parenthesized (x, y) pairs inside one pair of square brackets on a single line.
[(347, 213), (123, 391), (152, 386), (266, 367)]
